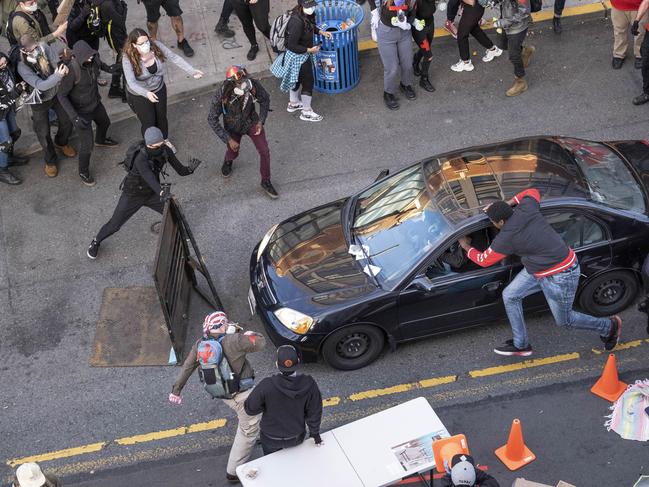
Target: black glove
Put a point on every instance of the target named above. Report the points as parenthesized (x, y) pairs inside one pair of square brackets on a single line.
[(193, 164), (165, 194), (85, 11), (81, 123), (635, 30), (316, 438)]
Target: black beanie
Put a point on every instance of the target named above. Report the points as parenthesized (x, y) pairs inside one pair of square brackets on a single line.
[(499, 210)]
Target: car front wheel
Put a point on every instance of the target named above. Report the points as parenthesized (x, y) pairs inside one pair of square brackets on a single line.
[(353, 347), (609, 293)]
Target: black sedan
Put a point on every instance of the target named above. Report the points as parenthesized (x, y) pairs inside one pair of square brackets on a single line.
[(383, 266)]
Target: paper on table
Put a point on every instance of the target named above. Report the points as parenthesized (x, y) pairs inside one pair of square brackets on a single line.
[(357, 251), (371, 270)]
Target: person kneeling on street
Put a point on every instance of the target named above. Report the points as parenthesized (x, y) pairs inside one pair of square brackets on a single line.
[(79, 96), (464, 474), (9, 131), (235, 101), (144, 162), (287, 400), (235, 345)]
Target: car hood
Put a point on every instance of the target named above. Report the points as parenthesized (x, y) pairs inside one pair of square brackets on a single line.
[(307, 259)]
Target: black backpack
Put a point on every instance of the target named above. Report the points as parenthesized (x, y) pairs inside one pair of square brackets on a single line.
[(131, 153)]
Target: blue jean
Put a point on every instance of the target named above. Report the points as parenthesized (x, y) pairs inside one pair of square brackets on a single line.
[(559, 290), (7, 127)]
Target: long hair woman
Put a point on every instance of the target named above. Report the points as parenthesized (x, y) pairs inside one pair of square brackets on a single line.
[(145, 67)]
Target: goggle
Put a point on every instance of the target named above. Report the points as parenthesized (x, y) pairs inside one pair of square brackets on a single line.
[(236, 73)]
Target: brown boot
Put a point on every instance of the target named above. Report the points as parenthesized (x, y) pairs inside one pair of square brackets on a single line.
[(68, 150), (519, 86), (527, 55), (51, 170)]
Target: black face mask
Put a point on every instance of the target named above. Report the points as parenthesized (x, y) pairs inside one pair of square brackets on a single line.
[(155, 152)]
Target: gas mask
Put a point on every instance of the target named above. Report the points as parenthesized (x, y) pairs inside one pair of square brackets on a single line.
[(243, 88), (144, 48), (308, 10), (32, 56)]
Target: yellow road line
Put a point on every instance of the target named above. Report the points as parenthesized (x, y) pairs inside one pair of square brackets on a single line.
[(621, 346), (399, 388), (55, 455), (207, 426), (536, 17), (502, 369), (160, 435), (332, 401)]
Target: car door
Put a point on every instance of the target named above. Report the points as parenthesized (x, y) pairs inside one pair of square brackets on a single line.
[(451, 301)]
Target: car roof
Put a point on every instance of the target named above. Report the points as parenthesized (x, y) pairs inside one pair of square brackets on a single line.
[(462, 182)]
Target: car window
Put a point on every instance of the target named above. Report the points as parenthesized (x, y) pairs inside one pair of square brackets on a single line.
[(453, 260), (576, 229)]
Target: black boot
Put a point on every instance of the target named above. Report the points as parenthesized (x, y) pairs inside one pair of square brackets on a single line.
[(556, 25), (252, 53), (8, 178), (223, 29), (415, 63), (390, 101), (424, 82)]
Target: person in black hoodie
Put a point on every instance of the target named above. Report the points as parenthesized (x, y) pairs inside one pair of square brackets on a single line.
[(113, 18), (287, 401), (79, 96), (145, 162), (464, 474), (424, 10), (9, 131)]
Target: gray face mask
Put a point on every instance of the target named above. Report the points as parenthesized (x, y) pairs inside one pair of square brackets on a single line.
[(31, 8)]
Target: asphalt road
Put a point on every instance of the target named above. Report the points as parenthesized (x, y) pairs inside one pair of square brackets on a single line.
[(51, 293)]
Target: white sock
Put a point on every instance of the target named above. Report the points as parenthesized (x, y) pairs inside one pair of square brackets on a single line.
[(294, 97), (306, 99)]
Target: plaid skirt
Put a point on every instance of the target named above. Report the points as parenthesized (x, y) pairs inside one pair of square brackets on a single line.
[(287, 68)]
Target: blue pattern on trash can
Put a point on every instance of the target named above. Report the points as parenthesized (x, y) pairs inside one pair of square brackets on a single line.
[(335, 67)]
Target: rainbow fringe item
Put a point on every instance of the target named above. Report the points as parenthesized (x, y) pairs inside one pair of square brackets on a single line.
[(629, 419)]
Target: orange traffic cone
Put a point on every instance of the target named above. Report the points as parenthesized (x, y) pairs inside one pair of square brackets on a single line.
[(609, 386), (515, 454), (446, 448)]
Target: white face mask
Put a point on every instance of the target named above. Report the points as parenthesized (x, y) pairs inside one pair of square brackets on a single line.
[(31, 8), (144, 48), (308, 10)]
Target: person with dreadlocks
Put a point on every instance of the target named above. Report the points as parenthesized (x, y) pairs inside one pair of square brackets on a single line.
[(424, 10), (235, 102), (236, 345)]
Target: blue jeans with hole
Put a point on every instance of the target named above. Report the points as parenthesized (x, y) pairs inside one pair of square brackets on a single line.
[(559, 290), (7, 126)]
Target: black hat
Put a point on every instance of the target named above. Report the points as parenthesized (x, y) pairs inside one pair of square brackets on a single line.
[(499, 210), (307, 3), (287, 358)]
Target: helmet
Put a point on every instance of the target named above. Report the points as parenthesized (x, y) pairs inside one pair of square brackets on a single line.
[(213, 321), (463, 471), (236, 73)]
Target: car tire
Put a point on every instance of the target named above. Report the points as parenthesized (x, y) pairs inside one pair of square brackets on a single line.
[(353, 347), (609, 293)]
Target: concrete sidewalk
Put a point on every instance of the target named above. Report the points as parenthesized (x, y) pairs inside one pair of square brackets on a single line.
[(215, 53)]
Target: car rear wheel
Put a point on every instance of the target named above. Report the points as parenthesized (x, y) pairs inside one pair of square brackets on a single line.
[(609, 293), (353, 347)]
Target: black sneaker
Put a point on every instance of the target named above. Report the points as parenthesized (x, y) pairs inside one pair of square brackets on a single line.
[(425, 83), (390, 101), (408, 91), (641, 99), (8, 178), (223, 29), (252, 53), (509, 349), (87, 179), (233, 479), (617, 62), (267, 186), (556, 25), (93, 249), (107, 142), (226, 169), (187, 49), (612, 339)]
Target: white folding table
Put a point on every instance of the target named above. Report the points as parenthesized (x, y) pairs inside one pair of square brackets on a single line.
[(364, 453)]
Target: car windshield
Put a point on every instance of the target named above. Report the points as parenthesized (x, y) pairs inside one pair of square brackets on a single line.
[(610, 181), (398, 224)]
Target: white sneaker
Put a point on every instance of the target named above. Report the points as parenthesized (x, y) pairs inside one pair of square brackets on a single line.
[(310, 116), (462, 66), (294, 107), (171, 146), (492, 53)]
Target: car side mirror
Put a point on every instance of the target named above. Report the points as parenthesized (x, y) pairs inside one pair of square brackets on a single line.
[(422, 283), (382, 174)]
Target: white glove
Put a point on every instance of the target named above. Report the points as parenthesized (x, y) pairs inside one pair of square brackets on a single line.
[(173, 399), (374, 22), (419, 24)]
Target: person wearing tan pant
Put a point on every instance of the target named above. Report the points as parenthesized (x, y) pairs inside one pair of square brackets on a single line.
[(623, 13)]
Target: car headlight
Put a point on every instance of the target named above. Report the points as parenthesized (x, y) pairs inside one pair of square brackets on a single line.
[(265, 240), (294, 320)]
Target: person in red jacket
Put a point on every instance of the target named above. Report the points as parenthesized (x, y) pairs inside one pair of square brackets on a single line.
[(549, 266), (623, 12)]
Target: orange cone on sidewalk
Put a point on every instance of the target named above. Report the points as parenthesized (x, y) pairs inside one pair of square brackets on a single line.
[(609, 386), (446, 448), (515, 454)]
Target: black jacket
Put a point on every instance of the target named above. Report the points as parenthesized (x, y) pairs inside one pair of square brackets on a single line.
[(237, 116), (299, 32), (287, 403), (481, 480), (144, 176), (78, 91), (113, 16), (9, 90), (80, 23)]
